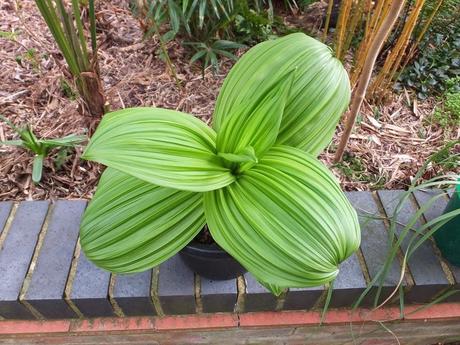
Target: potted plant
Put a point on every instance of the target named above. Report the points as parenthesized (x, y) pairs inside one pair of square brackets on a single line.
[(253, 178)]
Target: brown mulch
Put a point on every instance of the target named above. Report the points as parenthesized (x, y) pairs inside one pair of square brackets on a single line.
[(387, 148)]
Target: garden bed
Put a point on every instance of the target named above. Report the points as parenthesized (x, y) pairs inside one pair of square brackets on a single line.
[(387, 148)]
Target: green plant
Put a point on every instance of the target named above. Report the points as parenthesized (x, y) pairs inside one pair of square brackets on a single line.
[(253, 177), (445, 158), (66, 27), (209, 54), (9, 35), (205, 22), (410, 233), (40, 147), (67, 89), (447, 115)]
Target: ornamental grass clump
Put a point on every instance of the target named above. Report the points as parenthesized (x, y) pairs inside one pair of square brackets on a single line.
[(66, 26), (253, 178)]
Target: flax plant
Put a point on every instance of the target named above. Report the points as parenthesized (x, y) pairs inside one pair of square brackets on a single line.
[(66, 27)]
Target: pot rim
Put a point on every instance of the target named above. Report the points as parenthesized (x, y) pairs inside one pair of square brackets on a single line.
[(204, 249)]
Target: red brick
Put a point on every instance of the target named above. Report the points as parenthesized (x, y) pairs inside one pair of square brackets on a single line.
[(113, 324), (27, 327), (279, 318), (203, 321), (437, 311)]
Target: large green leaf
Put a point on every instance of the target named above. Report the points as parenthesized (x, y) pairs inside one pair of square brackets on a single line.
[(255, 123), (160, 146), (131, 225), (285, 220), (319, 95)]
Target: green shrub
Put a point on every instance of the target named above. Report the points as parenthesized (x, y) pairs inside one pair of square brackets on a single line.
[(438, 58), (203, 23), (447, 115)]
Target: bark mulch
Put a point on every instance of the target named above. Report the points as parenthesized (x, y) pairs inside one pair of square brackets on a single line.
[(388, 146)]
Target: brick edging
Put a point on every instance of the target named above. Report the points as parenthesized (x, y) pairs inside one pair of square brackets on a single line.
[(45, 275), (198, 322)]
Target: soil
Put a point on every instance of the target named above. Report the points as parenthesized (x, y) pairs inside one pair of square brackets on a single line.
[(204, 236), (388, 146)]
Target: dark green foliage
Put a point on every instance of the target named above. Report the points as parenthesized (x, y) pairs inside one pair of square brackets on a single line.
[(209, 54), (67, 89), (446, 156), (205, 24), (447, 115), (438, 58), (252, 26), (305, 3)]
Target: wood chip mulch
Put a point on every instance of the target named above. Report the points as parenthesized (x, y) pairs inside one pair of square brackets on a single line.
[(388, 146)]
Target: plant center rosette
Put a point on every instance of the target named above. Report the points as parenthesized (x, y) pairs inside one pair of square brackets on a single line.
[(253, 178)]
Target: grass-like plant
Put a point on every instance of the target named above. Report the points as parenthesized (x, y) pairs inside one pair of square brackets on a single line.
[(66, 27), (410, 232), (40, 147), (253, 178)]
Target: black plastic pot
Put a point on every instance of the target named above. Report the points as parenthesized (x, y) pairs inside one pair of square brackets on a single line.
[(211, 261)]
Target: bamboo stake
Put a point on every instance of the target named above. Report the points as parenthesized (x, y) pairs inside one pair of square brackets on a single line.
[(341, 26), (328, 19), (358, 10), (360, 92)]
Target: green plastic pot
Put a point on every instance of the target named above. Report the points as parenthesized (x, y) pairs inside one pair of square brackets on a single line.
[(448, 236)]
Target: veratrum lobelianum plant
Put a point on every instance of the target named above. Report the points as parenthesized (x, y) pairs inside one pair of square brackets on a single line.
[(253, 178)]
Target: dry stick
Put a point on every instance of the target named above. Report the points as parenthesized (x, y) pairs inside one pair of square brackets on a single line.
[(360, 92), (328, 19), (163, 48)]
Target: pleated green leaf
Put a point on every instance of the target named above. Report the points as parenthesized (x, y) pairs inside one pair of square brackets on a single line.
[(132, 225), (286, 220), (255, 123), (163, 147), (320, 92)]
